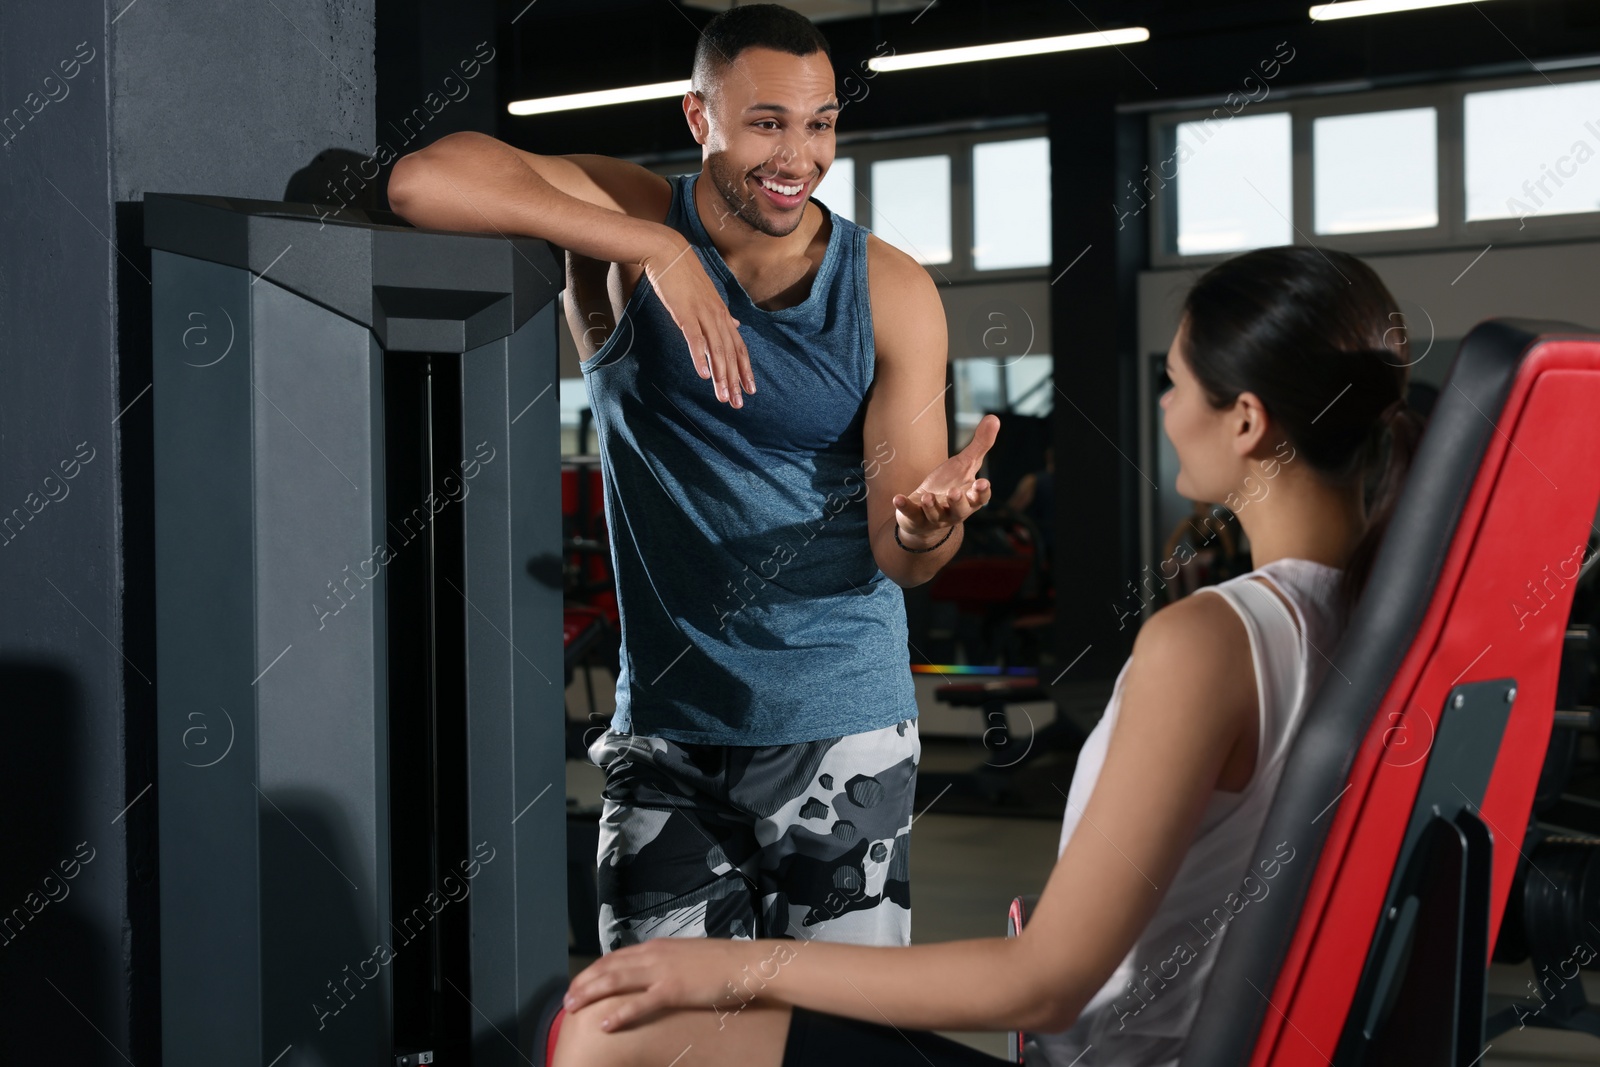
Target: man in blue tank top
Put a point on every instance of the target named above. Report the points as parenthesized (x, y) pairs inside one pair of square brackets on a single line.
[(771, 424)]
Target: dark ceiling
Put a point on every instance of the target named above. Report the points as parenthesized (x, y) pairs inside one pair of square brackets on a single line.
[(1195, 50)]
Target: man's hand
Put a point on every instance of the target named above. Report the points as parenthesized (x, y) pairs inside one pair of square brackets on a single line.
[(712, 333), (949, 494), (640, 981), (606, 210)]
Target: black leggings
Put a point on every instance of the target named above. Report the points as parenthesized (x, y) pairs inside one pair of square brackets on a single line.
[(820, 1040)]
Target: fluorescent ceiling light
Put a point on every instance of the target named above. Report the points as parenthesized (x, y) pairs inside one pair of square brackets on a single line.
[(1008, 49), (1352, 8), (573, 101), (662, 90)]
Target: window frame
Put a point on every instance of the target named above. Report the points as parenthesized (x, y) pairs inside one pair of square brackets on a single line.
[(1309, 104)]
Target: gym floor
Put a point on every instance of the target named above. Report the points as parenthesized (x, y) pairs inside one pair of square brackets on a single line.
[(966, 868)]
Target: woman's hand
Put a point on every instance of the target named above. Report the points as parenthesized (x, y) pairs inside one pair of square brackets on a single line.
[(712, 333), (642, 980)]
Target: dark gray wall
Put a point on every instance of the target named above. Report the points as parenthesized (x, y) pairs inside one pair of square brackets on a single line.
[(162, 95), (61, 678), (441, 66)]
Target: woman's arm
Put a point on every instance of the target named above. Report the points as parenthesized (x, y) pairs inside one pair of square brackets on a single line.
[(1188, 694), (974, 984), (1188, 699)]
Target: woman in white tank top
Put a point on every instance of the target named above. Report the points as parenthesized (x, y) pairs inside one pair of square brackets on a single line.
[(1290, 612), (1288, 375)]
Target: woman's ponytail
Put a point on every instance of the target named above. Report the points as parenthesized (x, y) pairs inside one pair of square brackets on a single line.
[(1403, 436)]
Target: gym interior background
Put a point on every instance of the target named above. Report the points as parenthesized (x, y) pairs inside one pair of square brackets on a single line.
[(1062, 202)]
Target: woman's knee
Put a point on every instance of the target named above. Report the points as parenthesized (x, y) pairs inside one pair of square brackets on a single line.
[(583, 1044), (755, 1037)]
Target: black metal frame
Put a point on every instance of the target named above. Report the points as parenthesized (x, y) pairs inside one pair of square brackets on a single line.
[(1422, 993)]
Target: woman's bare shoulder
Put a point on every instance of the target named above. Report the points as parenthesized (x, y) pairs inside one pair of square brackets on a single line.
[(1197, 649), (1203, 616)]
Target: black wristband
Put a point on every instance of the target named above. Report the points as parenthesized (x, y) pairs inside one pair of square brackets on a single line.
[(930, 548)]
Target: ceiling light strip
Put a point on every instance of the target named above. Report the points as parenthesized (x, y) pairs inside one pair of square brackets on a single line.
[(1350, 9), (972, 54), (574, 101), (1010, 49)]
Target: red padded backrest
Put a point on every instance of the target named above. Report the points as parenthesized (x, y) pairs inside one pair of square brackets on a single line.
[(1528, 515)]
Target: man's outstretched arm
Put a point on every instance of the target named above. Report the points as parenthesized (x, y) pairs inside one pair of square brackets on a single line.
[(904, 434)]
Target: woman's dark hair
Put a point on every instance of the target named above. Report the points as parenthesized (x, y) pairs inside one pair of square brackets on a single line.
[(1318, 338), (752, 26)]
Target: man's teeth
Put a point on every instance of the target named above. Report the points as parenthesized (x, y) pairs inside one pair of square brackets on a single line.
[(786, 190)]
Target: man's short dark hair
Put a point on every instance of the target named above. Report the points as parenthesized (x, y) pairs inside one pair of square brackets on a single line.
[(752, 26)]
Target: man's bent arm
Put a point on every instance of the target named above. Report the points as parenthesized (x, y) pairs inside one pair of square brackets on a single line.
[(905, 409), (471, 182)]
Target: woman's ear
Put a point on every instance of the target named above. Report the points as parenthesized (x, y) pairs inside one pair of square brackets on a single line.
[(1250, 423)]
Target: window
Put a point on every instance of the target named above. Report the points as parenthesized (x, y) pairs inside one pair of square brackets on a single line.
[(1233, 181), (838, 188), (1011, 204), (911, 205), (1020, 384), (1530, 151), (1376, 171)]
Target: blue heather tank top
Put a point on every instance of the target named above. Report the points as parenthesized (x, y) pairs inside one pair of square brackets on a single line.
[(752, 609)]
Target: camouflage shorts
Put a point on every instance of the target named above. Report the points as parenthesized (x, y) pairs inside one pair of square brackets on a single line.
[(797, 841)]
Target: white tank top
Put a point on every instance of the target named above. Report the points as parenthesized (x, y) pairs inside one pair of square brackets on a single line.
[(1140, 1016)]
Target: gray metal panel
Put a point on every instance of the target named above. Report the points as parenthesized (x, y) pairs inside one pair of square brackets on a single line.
[(205, 653), (383, 903), (318, 473), (442, 260), (433, 320), (341, 264), (329, 264), (515, 698), (540, 706), (270, 505)]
